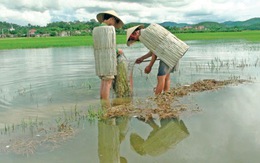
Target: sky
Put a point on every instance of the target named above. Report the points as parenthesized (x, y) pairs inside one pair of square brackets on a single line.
[(42, 12)]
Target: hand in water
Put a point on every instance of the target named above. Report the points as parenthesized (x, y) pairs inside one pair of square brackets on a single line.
[(120, 52)]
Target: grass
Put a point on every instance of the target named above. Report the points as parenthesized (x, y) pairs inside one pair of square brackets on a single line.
[(245, 35), (45, 42)]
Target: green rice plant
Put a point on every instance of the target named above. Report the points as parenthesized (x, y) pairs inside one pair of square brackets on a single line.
[(244, 35), (91, 114), (6, 129), (45, 42), (212, 65), (100, 114), (243, 64), (221, 63), (23, 125), (256, 62), (86, 84), (63, 128), (227, 64), (234, 78), (197, 67)]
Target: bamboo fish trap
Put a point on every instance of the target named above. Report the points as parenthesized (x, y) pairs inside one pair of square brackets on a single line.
[(104, 38), (164, 44)]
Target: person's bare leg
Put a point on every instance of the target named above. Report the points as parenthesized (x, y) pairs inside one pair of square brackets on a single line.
[(167, 83), (105, 92), (160, 84)]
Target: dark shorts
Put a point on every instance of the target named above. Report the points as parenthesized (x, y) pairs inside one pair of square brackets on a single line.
[(163, 69)]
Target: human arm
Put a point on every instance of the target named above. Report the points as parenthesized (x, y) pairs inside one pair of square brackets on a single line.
[(148, 68), (140, 60)]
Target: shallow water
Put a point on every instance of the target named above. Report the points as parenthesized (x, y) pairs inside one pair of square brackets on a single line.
[(42, 83)]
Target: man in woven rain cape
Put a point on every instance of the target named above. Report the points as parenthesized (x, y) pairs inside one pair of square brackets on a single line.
[(105, 52), (162, 44)]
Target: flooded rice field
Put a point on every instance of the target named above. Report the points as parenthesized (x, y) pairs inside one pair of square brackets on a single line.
[(50, 108)]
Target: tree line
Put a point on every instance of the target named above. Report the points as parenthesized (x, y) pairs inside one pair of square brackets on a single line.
[(77, 28)]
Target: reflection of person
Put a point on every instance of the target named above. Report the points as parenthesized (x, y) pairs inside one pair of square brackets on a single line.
[(111, 133), (161, 43), (161, 138), (105, 52)]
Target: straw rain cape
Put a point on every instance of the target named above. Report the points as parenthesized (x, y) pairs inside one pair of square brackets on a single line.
[(164, 44), (104, 38)]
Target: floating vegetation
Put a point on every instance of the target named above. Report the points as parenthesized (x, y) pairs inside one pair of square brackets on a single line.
[(27, 145), (51, 135), (166, 104)]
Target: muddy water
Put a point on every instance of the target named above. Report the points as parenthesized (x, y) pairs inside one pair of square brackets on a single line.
[(42, 83)]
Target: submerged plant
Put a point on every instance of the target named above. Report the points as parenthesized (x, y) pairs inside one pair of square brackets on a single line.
[(92, 114), (44, 135)]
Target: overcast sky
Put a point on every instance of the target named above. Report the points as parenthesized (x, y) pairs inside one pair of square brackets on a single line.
[(42, 12)]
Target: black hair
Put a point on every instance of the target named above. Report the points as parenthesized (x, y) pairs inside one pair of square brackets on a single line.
[(107, 16), (137, 29)]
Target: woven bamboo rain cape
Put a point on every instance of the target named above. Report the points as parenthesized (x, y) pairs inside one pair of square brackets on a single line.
[(105, 50), (163, 44)]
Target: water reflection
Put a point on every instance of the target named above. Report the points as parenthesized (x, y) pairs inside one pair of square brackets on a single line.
[(161, 138), (44, 82), (111, 132)]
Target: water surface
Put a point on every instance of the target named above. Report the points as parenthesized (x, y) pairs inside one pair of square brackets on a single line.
[(43, 83)]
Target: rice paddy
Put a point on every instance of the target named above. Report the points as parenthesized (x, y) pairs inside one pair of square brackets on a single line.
[(45, 42), (50, 108)]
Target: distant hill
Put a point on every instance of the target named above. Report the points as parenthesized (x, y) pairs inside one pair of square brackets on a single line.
[(210, 25), (246, 23), (252, 24), (173, 24)]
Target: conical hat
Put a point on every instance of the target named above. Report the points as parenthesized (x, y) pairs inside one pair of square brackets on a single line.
[(100, 17), (130, 31)]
